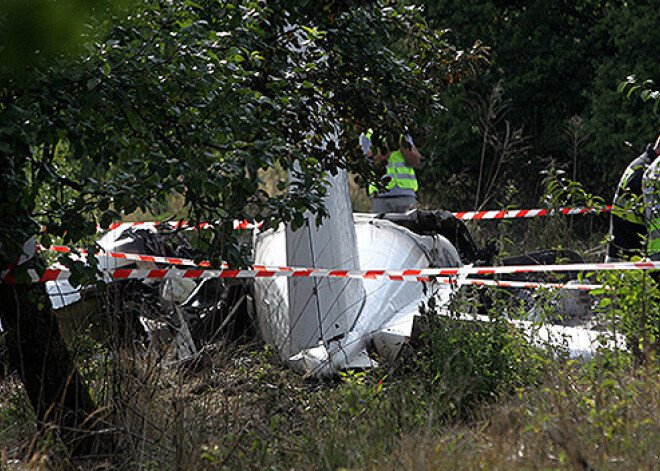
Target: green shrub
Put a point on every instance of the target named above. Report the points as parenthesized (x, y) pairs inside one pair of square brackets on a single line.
[(629, 306), (462, 363)]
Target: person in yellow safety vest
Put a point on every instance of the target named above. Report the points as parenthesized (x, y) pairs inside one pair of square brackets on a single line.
[(651, 191), (400, 179), (627, 226)]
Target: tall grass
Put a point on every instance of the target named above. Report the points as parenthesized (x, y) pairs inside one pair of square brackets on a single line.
[(247, 412), (463, 396)]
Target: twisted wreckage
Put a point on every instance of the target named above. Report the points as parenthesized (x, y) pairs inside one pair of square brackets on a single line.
[(318, 325)]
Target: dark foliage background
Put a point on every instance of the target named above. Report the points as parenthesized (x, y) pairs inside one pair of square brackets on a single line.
[(555, 67)]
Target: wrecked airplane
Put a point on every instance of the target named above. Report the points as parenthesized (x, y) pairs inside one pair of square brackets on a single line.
[(318, 325), (322, 325)]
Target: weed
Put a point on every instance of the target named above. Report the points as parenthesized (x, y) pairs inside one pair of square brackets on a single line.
[(462, 363), (629, 305)]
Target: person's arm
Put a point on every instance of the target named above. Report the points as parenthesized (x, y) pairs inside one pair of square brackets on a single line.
[(365, 144), (411, 155), (378, 158)]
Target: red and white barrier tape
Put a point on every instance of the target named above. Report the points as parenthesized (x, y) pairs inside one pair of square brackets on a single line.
[(153, 258), (463, 215), (518, 284), (526, 213), (161, 274), (182, 225), (176, 261), (131, 256), (415, 274)]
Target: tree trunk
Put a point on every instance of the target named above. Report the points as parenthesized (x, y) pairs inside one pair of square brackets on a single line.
[(38, 353)]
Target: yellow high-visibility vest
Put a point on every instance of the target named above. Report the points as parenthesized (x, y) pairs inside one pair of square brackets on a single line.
[(401, 175)]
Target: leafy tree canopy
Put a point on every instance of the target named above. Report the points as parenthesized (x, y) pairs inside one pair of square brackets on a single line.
[(195, 98)]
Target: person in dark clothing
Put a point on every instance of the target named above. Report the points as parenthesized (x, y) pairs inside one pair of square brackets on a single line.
[(627, 225), (651, 190)]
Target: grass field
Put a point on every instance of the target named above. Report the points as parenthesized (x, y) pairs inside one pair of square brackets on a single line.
[(239, 408)]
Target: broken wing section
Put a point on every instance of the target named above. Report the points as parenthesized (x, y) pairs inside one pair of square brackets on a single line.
[(306, 317), (386, 311), (391, 306)]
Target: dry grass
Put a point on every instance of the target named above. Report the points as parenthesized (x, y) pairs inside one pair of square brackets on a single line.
[(238, 408), (174, 206)]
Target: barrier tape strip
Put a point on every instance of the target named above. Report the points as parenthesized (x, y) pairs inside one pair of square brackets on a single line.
[(519, 284), (131, 256), (526, 213), (415, 274), (182, 225), (463, 215), (161, 274), (174, 261), (152, 258)]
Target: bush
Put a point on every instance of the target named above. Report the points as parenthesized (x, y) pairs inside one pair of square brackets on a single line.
[(462, 363), (629, 306)]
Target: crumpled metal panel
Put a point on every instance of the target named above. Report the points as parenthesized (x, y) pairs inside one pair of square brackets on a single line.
[(62, 293), (387, 309), (336, 302)]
